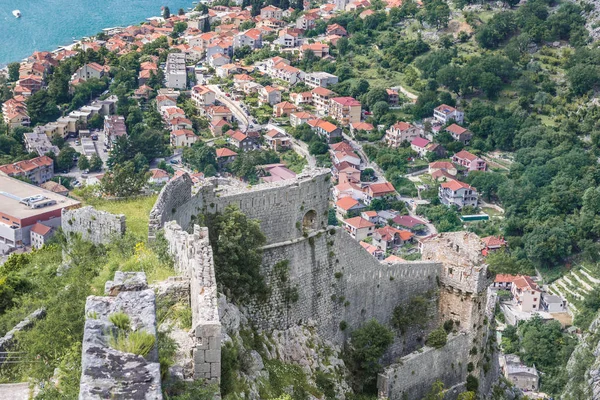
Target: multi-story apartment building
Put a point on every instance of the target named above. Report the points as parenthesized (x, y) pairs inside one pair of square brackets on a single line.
[(202, 96), (444, 114), (345, 110), (175, 73), (38, 170), (114, 127), (469, 160), (322, 79)]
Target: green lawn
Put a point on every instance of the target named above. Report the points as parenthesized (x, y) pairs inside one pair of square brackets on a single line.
[(136, 211), (492, 212)]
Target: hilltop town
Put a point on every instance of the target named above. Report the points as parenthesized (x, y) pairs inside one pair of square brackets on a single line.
[(308, 200)]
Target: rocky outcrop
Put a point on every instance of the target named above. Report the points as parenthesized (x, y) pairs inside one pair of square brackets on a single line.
[(299, 345), (583, 367), (109, 373)]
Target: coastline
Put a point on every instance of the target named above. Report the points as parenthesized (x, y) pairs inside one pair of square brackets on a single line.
[(74, 42)]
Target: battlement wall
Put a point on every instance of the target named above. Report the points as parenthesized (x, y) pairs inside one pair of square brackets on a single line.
[(412, 377), (285, 209)]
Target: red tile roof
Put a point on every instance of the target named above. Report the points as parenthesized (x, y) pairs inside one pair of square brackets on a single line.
[(466, 155), (407, 221), (379, 189), (456, 129), (358, 222), (346, 203), (402, 126), (225, 152), (420, 142), (346, 101), (455, 185), (441, 165), (41, 229)]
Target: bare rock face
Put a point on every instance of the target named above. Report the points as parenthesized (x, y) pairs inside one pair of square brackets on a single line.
[(583, 367), (109, 373), (300, 345)]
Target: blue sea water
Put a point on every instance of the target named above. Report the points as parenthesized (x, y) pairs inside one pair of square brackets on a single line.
[(47, 24)]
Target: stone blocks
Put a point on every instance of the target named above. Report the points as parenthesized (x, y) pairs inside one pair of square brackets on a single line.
[(193, 259), (99, 227), (110, 373)]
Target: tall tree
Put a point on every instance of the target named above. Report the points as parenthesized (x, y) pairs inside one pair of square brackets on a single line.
[(124, 180), (13, 71)]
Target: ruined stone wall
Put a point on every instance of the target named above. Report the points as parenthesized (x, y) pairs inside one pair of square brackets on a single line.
[(99, 227), (336, 280), (108, 373), (412, 377), (174, 194), (285, 209), (193, 258), (8, 340)]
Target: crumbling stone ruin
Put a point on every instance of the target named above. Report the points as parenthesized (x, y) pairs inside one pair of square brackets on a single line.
[(463, 298), (98, 227), (105, 371), (193, 258), (7, 341), (339, 285)]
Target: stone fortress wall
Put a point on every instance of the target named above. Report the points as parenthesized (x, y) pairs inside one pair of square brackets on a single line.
[(193, 258), (98, 227), (337, 280), (413, 377), (331, 279), (285, 209)]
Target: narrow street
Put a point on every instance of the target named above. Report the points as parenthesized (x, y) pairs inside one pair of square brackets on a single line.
[(235, 108), (368, 164)]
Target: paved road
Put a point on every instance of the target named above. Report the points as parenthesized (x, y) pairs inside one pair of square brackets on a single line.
[(234, 106), (368, 164)]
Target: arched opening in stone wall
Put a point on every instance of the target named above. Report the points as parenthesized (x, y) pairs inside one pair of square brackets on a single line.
[(310, 220)]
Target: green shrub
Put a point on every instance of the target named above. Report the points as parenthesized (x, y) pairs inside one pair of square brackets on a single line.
[(343, 325), (137, 342), (472, 383), (120, 320), (448, 325), (437, 338), (415, 313)]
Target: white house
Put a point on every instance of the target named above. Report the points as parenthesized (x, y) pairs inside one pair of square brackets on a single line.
[(457, 193), (202, 96), (445, 113)]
